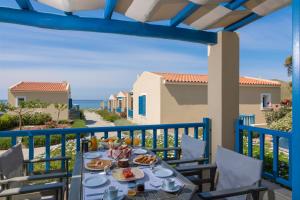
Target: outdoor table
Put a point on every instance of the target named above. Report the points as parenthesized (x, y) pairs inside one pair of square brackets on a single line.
[(77, 190)]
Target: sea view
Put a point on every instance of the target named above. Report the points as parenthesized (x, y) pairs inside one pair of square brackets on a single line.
[(83, 104)]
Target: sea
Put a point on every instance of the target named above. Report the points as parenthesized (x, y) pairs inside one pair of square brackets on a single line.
[(83, 104)]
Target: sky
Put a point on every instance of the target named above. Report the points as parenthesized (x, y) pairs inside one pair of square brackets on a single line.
[(97, 64)]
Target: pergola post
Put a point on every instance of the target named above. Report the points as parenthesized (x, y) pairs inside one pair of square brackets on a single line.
[(223, 89), (296, 101)]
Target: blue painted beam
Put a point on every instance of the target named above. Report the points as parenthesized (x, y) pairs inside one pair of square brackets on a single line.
[(239, 24), (235, 4), (24, 4), (109, 8), (58, 22), (296, 101), (184, 13)]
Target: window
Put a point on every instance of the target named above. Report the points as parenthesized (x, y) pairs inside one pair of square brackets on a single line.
[(120, 103), (19, 100), (142, 105), (265, 101)]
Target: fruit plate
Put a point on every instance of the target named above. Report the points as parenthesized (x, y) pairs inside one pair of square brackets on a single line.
[(118, 174), (142, 159), (91, 165)]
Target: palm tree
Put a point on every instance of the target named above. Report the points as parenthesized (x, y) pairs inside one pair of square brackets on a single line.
[(288, 64)]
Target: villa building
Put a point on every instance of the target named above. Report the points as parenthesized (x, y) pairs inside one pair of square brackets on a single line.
[(161, 98), (47, 92), (112, 103)]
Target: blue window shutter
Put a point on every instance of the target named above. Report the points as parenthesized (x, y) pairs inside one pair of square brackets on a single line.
[(144, 105), (140, 105)]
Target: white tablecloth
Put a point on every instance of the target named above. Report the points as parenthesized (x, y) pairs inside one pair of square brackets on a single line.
[(122, 186)]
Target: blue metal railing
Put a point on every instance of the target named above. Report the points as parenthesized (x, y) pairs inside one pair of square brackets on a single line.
[(130, 113), (134, 131), (248, 119), (249, 132), (119, 109)]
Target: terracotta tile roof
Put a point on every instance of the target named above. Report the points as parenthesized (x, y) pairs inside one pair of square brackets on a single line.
[(200, 78), (40, 86)]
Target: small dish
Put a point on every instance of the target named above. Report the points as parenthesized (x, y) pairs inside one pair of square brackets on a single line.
[(94, 181), (140, 151), (162, 172), (175, 189), (120, 197), (92, 155)]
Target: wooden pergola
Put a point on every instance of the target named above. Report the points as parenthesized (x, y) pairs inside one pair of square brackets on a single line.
[(208, 22)]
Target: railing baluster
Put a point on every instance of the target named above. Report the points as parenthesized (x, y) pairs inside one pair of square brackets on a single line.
[(262, 147), (119, 134), (206, 136), (176, 142), (196, 135), (186, 131), (63, 150), (77, 142), (290, 161), (250, 140), (106, 134), (154, 141), (47, 150), (131, 135), (92, 134), (239, 137), (143, 138), (31, 152), (275, 156), (165, 142), (13, 140)]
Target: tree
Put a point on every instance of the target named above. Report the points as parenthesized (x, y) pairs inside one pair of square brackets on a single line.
[(288, 64), (26, 107), (59, 107), (3, 107)]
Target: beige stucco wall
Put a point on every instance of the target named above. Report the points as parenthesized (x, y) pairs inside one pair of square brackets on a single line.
[(188, 103), (48, 97), (147, 84), (250, 100)]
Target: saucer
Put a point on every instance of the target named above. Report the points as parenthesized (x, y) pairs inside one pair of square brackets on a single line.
[(120, 197), (175, 189)]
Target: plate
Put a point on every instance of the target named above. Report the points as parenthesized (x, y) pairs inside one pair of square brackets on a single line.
[(94, 181), (118, 174), (120, 197), (137, 161), (175, 189), (139, 151), (92, 155), (103, 163), (162, 172)]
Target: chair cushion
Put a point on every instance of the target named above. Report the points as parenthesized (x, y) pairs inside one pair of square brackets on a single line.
[(236, 170), (11, 163), (192, 148)]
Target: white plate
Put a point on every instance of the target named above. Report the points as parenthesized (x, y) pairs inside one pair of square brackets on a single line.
[(161, 172), (120, 197), (94, 181), (139, 151), (175, 189), (92, 155)]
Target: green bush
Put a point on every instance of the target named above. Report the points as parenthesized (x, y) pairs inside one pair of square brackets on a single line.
[(8, 122), (37, 118), (283, 124), (81, 115), (275, 115), (108, 116), (5, 143)]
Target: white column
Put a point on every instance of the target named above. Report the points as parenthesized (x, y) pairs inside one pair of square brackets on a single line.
[(223, 89)]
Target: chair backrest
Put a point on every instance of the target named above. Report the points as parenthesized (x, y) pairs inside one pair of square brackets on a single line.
[(236, 170), (192, 148), (11, 162)]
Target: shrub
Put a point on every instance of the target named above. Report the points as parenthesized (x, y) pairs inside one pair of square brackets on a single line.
[(8, 122), (283, 124), (81, 115), (37, 118), (5, 143), (275, 115), (108, 116), (123, 115)]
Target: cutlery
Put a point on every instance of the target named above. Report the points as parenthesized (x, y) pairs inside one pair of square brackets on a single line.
[(95, 194)]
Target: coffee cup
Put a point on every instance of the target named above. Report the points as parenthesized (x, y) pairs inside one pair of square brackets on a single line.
[(112, 192), (169, 183)]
